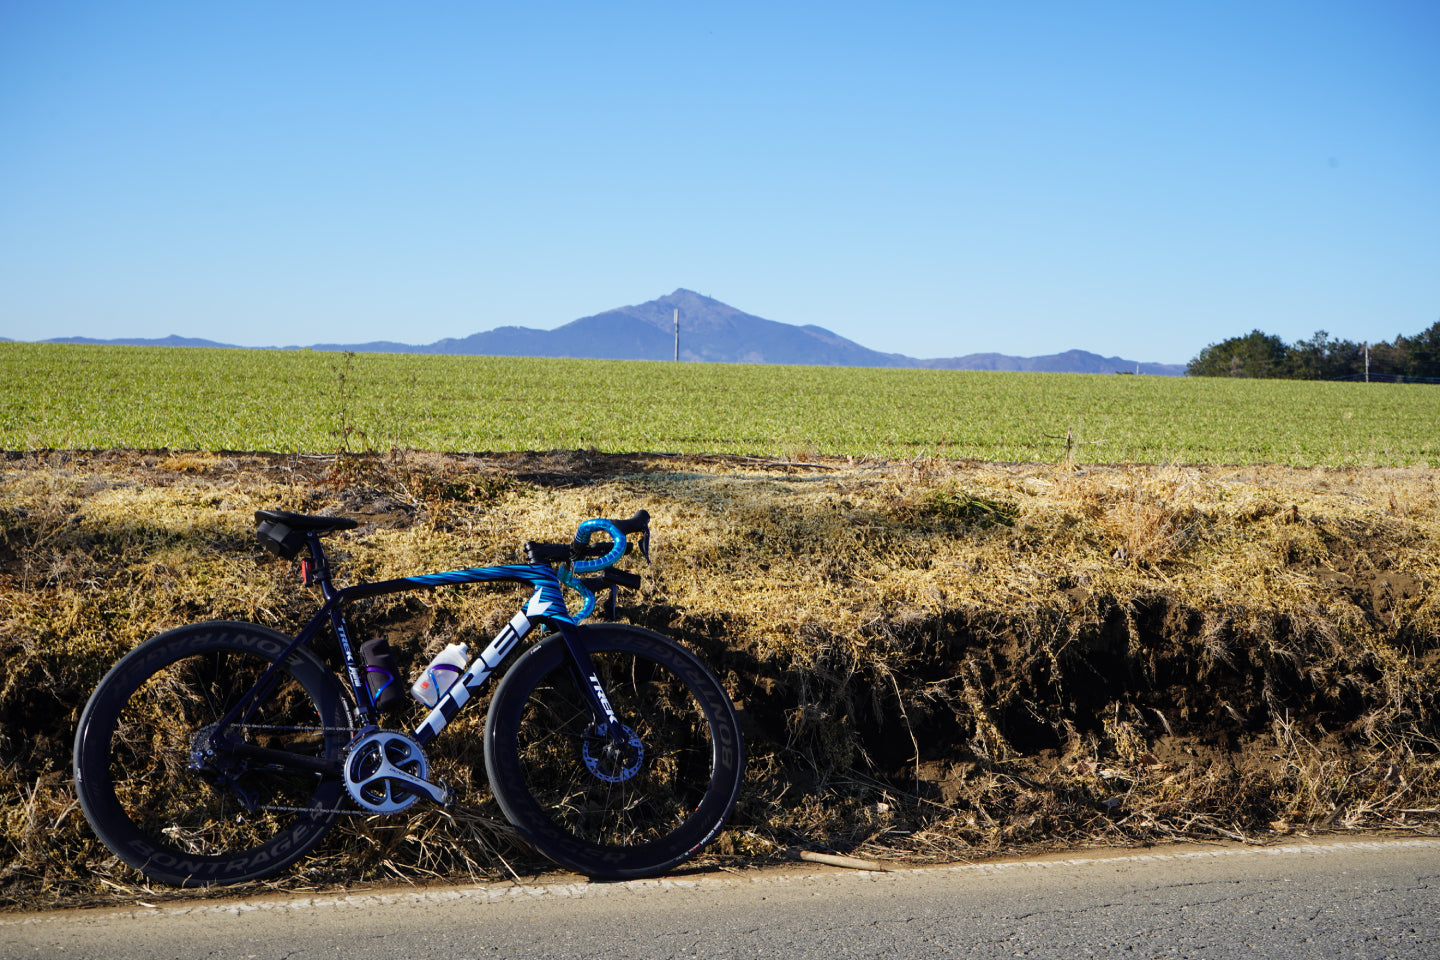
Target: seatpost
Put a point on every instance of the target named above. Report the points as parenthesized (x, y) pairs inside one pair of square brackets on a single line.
[(315, 569)]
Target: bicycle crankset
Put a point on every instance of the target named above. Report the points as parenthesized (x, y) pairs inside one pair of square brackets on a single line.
[(386, 771)]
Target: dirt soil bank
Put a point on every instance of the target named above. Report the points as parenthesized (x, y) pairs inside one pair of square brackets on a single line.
[(934, 660)]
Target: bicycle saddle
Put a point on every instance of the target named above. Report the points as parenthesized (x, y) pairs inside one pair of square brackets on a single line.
[(305, 521), (283, 533)]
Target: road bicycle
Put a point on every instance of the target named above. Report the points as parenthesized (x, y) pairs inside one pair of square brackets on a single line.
[(222, 752)]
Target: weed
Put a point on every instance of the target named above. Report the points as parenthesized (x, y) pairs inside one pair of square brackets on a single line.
[(957, 509), (934, 659)]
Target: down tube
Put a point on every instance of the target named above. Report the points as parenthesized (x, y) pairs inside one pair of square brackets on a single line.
[(473, 680)]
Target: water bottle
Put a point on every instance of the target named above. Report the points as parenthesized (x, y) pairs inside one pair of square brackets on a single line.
[(442, 673)]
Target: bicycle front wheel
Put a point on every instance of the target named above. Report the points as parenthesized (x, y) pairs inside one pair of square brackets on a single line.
[(181, 815), (615, 808)]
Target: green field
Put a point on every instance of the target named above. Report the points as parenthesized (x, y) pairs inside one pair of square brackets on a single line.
[(89, 397)]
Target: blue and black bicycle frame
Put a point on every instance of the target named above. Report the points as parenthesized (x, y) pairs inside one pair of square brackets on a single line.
[(546, 607)]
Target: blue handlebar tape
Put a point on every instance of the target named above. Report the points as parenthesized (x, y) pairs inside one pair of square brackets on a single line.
[(617, 548), (588, 605)]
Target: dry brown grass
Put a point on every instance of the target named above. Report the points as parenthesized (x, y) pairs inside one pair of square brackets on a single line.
[(934, 660)]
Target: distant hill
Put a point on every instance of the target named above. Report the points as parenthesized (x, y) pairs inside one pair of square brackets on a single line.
[(710, 332), (170, 341), (1071, 361)]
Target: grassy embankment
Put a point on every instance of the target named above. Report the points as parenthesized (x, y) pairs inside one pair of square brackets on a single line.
[(936, 658)]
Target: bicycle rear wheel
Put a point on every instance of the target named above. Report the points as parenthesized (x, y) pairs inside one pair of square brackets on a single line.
[(179, 816), (615, 811)]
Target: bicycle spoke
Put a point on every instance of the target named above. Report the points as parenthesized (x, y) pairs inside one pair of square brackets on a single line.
[(614, 802), (161, 788)]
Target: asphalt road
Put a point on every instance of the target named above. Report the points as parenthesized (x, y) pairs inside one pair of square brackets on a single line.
[(1343, 899)]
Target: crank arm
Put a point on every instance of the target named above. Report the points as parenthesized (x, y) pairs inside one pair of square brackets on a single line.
[(389, 772)]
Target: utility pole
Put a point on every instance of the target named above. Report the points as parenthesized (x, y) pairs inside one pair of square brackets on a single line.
[(677, 334), (1367, 361)]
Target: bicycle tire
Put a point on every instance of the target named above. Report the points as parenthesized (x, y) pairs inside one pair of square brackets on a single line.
[(133, 756), (649, 812)]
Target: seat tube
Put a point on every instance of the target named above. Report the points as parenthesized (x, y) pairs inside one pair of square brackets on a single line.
[(318, 574), (353, 669)]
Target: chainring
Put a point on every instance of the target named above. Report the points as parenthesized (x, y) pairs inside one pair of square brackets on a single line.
[(381, 770)]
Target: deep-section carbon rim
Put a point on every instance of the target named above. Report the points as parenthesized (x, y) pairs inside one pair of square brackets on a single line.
[(178, 815), (632, 808)]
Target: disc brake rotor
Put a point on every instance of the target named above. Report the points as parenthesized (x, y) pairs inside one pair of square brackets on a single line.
[(613, 759)]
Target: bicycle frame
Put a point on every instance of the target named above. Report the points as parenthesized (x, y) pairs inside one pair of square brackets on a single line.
[(193, 771), (545, 606)]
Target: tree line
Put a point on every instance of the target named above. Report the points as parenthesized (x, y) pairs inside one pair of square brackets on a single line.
[(1321, 357)]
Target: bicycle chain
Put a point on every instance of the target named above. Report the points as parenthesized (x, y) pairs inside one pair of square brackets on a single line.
[(274, 726), (335, 810), (351, 731)]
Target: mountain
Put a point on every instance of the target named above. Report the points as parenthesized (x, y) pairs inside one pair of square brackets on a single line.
[(1071, 361), (715, 332), (170, 341), (710, 332)]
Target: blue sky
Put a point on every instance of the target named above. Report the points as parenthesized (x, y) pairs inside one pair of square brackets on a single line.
[(934, 179)]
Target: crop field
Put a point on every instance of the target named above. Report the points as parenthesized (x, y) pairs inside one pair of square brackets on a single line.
[(100, 397)]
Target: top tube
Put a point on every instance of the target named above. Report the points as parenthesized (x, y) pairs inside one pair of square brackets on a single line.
[(548, 601)]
